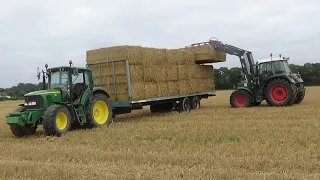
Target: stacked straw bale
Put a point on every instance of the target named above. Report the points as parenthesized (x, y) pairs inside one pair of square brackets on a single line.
[(153, 72)]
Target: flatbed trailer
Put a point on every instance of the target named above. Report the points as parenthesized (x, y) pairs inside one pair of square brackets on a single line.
[(180, 103), (162, 104)]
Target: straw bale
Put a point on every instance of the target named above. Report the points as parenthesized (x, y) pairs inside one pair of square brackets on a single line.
[(151, 89), (163, 89), (184, 87), (152, 56), (207, 54), (138, 90), (173, 56), (172, 72), (173, 88), (154, 73), (194, 85), (115, 53), (122, 88), (188, 56), (136, 73), (183, 72), (206, 85), (205, 72)]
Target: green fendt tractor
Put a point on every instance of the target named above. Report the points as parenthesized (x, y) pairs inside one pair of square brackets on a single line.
[(69, 99), (269, 79)]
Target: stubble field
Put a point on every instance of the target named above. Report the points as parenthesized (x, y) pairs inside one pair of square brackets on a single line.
[(215, 142)]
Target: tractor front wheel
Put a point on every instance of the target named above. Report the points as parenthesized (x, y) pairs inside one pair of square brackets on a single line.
[(279, 92), (300, 95), (241, 98), (21, 131), (56, 120), (99, 111)]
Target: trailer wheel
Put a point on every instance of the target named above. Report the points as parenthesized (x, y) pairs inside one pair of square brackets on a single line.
[(99, 111), (56, 120), (195, 103), (185, 105)]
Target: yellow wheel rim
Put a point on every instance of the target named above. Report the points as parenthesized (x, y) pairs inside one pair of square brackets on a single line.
[(100, 112), (61, 121)]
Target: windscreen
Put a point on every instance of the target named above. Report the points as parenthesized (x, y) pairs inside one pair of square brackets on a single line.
[(58, 79), (281, 67)]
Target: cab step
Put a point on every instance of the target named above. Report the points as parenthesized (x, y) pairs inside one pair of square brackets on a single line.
[(81, 117)]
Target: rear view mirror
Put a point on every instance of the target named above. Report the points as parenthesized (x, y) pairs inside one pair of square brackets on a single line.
[(75, 72)]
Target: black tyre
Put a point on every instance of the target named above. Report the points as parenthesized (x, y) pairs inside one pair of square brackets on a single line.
[(23, 131), (185, 105), (195, 103), (241, 98), (280, 92), (300, 95), (99, 111), (56, 120)]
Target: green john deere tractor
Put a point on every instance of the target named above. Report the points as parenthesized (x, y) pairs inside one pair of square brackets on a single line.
[(70, 99)]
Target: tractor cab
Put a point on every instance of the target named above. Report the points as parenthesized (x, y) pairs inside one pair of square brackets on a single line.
[(274, 66), (70, 81)]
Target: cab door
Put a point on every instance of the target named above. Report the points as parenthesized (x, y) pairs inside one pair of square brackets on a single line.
[(265, 71)]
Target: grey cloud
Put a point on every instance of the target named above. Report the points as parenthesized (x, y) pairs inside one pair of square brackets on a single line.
[(37, 32)]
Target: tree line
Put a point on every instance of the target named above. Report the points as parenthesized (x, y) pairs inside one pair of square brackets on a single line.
[(225, 78)]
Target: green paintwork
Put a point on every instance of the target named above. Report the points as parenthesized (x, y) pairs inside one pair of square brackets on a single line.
[(27, 117), (87, 93), (55, 95)]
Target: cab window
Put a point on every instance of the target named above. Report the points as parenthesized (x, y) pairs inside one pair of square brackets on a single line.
[(265, 69)]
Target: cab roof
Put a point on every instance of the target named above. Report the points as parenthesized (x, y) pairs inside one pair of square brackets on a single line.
[(67, 67), (271, 60)]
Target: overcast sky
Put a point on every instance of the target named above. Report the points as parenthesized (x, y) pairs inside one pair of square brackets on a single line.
[(37, 32)]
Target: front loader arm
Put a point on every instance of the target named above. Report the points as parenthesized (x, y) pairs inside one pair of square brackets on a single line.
[(246, 58)]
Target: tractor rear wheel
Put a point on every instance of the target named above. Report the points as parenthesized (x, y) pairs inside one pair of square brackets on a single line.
[(99, 111), (280, 92), (300, 95), (241, 98), (56, 120)]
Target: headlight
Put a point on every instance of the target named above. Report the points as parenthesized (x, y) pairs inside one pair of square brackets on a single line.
[(30, 103)]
